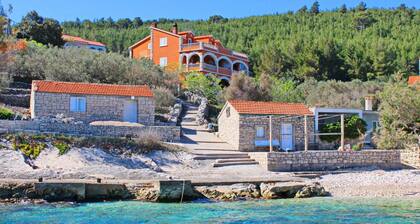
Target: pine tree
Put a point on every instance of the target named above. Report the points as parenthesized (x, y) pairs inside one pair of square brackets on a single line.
[(315, 8)]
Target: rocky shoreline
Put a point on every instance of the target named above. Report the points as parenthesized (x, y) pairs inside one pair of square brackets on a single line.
[(158, 191)]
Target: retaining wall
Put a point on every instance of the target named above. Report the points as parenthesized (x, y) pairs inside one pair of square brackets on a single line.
[(411, 157), (327, 160), (166, 133)]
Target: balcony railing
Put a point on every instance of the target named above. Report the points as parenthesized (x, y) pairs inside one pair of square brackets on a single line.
[(207, 46), (225, 71), (210, 67)]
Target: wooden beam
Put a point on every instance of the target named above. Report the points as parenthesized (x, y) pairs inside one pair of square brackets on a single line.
[(306, 133), (342, 132), (271, 133)]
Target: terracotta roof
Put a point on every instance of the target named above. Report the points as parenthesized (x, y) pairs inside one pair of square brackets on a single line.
[(69, 38), (91, 88), (268, 108), (413, 79)]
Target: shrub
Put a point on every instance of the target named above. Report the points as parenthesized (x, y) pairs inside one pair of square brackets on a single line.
[(62, 147), (27, 146), (207, 86), (6, 114), (354, 127), (149, 141), (357, 147), (163, 97), (399, 116)]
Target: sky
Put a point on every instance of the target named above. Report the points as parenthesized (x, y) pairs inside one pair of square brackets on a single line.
[(174, 9)]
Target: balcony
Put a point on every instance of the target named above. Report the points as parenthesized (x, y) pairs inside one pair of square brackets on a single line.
[(209, 47)]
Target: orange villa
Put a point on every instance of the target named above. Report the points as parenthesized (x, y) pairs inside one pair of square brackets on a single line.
[(195, 53)]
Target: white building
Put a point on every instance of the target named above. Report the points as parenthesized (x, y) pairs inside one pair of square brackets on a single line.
[(78, 42)]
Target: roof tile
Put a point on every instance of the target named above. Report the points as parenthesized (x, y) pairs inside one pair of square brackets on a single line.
[(91, 88), (268, 108)]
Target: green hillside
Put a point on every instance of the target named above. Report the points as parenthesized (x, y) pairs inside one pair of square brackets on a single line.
[(341, 45)]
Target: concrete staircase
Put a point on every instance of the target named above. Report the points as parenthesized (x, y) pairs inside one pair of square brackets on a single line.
[(207, 146)]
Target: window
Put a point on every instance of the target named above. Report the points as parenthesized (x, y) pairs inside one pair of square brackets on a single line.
[(163, 42), (260, 132), (163, 61), (375, 125), (189, 41), (77, 104), (149, 46), (228, 112)]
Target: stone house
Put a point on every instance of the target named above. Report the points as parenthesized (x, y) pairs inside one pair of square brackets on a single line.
[(89, 102), (246, 125)]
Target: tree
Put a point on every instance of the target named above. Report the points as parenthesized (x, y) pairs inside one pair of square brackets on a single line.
[(243, 87), (207, 86), (123, 23), (285, 90), (402, 7), (354, 127), (361, 7), (363, 20), (315, 8), (217, 19), (41, 30), (399, 116), (343, 9), (304, 9), (137, 22)]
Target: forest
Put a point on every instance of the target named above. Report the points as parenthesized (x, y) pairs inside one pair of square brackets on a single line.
[(342, 44)]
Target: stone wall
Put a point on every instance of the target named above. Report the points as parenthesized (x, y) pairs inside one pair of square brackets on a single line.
[(327, 160), (228, 124), (166, 133), (98, 107), (249, 123), (411, 157)]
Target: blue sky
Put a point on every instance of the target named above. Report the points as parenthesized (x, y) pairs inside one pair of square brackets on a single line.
[(154, 9)]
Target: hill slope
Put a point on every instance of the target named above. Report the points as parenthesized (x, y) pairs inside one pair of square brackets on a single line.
[(366, 45)]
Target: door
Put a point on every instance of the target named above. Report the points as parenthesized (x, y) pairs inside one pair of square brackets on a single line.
[(130, 111), (287, 136)]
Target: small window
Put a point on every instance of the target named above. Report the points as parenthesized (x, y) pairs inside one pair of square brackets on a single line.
[(77, 104), (228, 112), (163, 61), (375, 125), (149, 46), (163, 42), (189, 41), (260, 132)]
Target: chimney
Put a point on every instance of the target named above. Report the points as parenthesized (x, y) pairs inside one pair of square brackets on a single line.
[(175, 28), (369, 103), (154, 25)]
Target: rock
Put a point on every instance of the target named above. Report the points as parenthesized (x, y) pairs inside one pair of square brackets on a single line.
[(314, 190), (280, 189), (230, 192)]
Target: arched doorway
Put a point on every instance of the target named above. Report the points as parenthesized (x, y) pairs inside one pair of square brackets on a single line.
[(239, 66)]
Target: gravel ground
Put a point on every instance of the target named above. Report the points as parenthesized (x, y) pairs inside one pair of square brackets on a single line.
[(373, 183)]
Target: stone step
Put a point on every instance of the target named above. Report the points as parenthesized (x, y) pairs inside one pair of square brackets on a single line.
[(220, 156), (188, 124), (234, 160), (234, 164), (192, 111)]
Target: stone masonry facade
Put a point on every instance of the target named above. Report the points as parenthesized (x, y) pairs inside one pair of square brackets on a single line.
[(248, 126), (98, 107), (228, 124), (411, 157), (327, 160), (165, 133), (239, 130)]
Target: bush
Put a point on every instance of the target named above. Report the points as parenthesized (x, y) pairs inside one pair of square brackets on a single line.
[(207, 86), (354, 127), (6, 114), (149, 141), (62, 147), (26, 145), (163, 97), (399, 116)]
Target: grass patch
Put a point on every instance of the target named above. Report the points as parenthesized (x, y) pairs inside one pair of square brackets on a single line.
[(6, 114)]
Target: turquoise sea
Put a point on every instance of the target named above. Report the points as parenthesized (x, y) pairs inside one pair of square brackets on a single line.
[(314, 210)]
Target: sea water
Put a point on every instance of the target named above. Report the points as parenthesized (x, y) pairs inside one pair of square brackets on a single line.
[(314, 210)]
